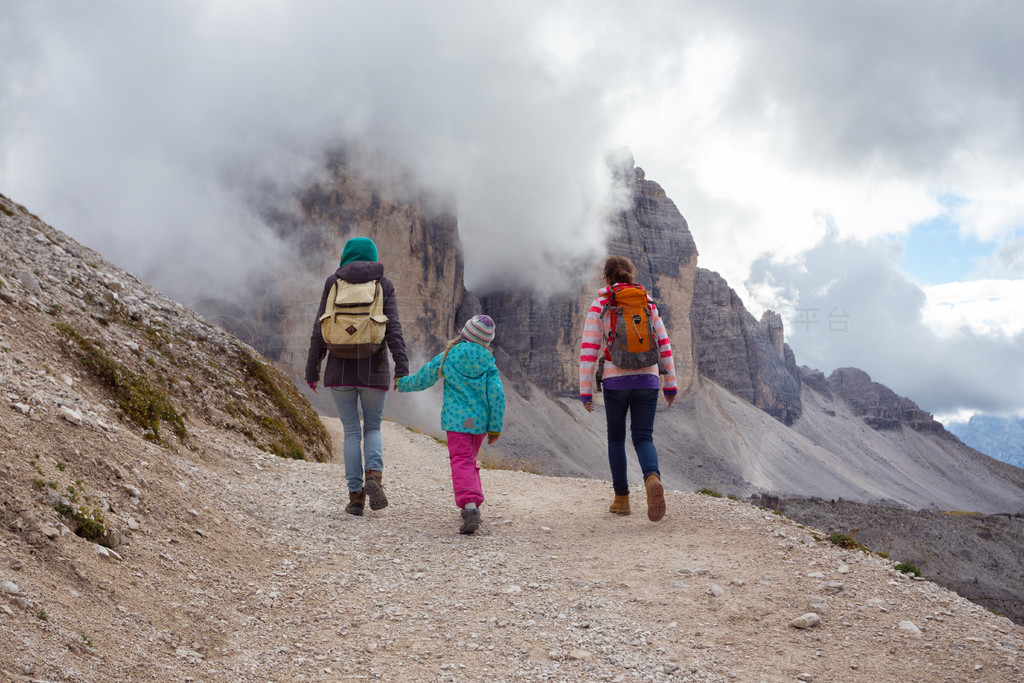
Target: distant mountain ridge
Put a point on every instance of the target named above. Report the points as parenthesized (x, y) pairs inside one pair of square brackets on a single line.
[(1000, 437)]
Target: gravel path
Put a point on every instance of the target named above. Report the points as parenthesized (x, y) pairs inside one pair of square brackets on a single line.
[(254, 572)]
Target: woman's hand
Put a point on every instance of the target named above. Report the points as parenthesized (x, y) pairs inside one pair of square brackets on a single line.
[(491, 438), (589, 405)]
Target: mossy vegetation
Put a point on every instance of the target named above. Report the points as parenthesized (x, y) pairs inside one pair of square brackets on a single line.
[(88, 523), (144, 404), (709, 492), (848, 542), (907, 568), (296, 424)]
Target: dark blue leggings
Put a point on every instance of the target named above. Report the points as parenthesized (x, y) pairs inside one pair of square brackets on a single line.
[(640, 405)]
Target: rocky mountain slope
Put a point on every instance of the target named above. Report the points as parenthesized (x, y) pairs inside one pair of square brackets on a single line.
[(88, 347), (978, 556)]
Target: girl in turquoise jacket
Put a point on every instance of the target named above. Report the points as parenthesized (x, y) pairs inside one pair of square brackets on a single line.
[(474, 407)]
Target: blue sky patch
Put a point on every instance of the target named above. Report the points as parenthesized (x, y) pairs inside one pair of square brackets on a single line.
[(935, 253)]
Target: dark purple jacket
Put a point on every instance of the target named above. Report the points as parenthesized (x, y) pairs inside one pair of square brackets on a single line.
[(375, 371)]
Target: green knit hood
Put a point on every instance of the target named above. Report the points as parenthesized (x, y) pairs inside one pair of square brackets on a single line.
[(358, 249)]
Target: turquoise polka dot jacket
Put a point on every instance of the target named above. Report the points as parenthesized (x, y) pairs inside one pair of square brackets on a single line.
[(474, 400)]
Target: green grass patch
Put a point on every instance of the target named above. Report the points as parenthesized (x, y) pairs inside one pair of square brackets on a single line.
[(848, 542), (709, 492), (144, 404), (908, 568), (88, 523), (286, 446), (298, 423)]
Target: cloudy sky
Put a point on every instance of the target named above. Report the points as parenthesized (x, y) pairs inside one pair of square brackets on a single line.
[(858, 167)]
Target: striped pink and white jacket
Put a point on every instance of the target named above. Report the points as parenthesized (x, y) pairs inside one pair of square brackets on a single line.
[(595, 332)]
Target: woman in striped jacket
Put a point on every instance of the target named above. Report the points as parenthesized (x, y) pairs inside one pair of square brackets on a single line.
[(627, 392)]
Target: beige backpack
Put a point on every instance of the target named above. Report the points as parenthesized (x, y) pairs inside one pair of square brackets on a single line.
[(353, 322)]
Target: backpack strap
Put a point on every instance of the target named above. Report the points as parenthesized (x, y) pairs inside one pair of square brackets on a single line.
[(613, 320), (329, 304)]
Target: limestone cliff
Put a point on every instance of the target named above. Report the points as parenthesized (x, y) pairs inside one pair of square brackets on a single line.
[(654, 235), (418, 241), (880, 407), (747, 357)]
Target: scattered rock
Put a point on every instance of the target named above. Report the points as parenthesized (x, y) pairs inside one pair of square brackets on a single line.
[(106, 553), (817, 605), (29, 281), (910, 627), (9, 588), (71, 415), (805, 621), (691, 571)]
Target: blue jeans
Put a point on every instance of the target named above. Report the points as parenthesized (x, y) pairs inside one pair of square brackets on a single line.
[(361, 437), (641, 405)]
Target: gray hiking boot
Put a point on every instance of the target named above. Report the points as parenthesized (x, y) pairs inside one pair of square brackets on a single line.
[(470, 521), (373, 486)]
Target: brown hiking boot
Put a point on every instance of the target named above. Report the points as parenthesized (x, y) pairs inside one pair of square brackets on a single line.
[(374, 488), (356, 500), (620, 505), (655, 497)]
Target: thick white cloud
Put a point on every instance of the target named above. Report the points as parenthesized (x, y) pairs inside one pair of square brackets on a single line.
[(845, 304), (990, 307)]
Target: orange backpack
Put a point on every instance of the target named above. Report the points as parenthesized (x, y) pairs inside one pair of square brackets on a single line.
[(632, 342)]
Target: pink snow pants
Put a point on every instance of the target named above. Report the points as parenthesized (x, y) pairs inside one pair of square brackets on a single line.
[(462, 450)]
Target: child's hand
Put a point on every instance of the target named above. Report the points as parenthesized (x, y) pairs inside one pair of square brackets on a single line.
[(491, 438)]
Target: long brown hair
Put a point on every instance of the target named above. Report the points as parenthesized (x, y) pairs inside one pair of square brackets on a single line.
[(619, 269), (451, 344)]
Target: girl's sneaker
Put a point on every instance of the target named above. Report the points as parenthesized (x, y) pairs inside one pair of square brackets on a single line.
[(470, 521)]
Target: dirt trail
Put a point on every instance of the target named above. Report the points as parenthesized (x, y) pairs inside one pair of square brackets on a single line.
[(278, 583)]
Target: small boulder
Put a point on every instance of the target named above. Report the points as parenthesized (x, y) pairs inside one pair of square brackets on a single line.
[(806, 620)]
